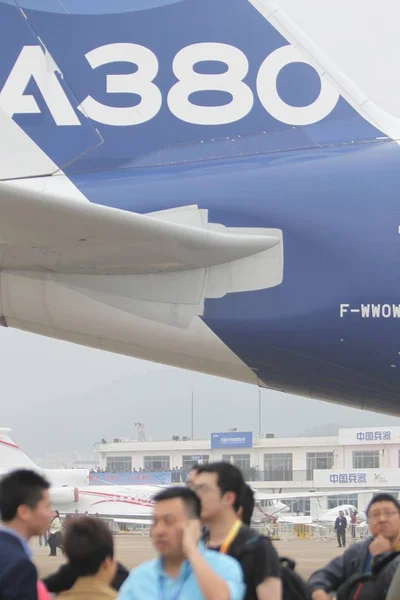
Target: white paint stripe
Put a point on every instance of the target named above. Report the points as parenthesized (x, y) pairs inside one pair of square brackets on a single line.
[(19, 155), (56, 185), (379, 118)]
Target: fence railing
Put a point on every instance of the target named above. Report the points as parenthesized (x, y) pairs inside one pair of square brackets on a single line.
[(179, 476)]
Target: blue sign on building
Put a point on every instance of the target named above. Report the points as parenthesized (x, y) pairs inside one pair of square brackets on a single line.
[(233, 439), (130, 478)]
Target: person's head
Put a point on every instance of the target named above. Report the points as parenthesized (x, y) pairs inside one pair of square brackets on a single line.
[(56, 514), (89, 547), (173, 508), (341, 513), (25, 502), (383, 515), (191, 476), (247, 505), (220, 487)]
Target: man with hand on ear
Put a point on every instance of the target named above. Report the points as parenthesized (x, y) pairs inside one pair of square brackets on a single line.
[(184, 569)]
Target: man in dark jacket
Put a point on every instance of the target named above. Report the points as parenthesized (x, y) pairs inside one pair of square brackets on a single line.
[(384, 521), (25, 511), (340, 528)]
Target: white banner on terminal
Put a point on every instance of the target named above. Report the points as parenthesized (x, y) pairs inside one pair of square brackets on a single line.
[(375, 478), (369, 435)]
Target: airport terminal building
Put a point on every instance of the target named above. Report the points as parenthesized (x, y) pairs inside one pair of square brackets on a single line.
[(355, 459)]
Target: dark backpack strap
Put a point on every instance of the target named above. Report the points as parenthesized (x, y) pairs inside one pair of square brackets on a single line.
[(355, 582), (244, 540), (379, 565), (287, 562)]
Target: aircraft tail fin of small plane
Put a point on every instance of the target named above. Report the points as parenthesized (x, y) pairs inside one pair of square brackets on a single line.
[(11, 455)]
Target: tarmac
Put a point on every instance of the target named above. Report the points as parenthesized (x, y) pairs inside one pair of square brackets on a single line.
[(132, 550)]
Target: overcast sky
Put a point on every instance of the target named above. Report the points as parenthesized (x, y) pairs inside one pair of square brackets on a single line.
[(59, 397)]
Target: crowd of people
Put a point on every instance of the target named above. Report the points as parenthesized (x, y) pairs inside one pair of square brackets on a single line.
[(205, 549), (179, 474)]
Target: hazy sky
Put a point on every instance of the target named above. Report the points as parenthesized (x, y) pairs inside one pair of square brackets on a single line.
[(58, 397)]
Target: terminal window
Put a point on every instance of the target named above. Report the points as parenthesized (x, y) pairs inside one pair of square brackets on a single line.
[(366, 460), (318, 460), (119, 464), (156, 463), (340, 499), (190, 459), (278, 467), (240, 460)]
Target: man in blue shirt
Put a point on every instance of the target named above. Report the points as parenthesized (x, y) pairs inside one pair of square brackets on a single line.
[(25, 511), (185, 569)]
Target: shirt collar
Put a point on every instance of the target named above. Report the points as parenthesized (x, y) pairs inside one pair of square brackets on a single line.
[(185, 566), (19, 537)]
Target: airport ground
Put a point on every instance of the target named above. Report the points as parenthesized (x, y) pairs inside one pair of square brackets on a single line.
[(132, 550)]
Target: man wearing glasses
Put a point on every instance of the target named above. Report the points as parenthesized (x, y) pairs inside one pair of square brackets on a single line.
[(225, 504), (383, 514)]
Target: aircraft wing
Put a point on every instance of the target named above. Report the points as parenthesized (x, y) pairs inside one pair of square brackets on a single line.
[(159, 266), (39, 231)]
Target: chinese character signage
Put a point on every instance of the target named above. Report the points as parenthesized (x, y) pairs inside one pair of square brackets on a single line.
[(369, 435), (234, 439), (356, 478)]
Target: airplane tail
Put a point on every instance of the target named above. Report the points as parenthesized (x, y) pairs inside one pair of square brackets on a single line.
[(11, 455), (231, 78)]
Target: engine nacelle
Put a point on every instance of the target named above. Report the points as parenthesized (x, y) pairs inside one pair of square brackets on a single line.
[(63, 495)]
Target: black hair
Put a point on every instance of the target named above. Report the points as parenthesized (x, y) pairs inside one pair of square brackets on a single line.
[(195, 467), (383, 497), (189, 499), (57, 514), (229, 479), (87, 544), (247, 504), (21, 487)]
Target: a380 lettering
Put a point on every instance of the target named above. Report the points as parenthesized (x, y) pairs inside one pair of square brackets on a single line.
[(34, 63)]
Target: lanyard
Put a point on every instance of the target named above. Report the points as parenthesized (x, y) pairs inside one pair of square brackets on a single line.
[(367, 567), (232, 533), (177, 593)]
